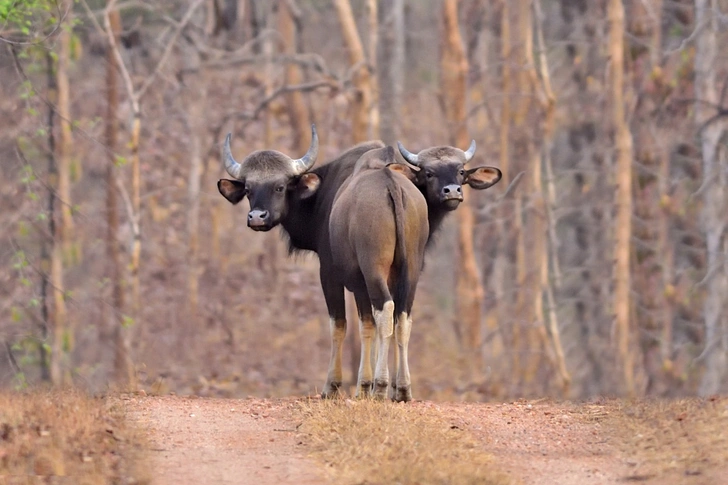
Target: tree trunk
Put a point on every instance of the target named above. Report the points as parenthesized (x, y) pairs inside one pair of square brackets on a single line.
[(198, 128), (623, 222), (361, 104), (391, 72), (63, 250), (123, 366), (373, 22), (56, 312), (714, 198), (289, 25), (656, 41), (134, 202), (506, 106), (453, 86), (550, 254), (66, 143), (530, 309), (508, 210)]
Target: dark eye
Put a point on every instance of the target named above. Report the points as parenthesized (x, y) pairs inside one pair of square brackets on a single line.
[(429, 175), (462, 172), (280, 188)]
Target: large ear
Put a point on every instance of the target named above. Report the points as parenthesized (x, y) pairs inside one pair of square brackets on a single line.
[(232, 190), (403, 169), (307, 185), (481, 178)]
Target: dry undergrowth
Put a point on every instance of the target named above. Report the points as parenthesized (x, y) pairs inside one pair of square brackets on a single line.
[(677, 441), (65, 434), (374, 442)]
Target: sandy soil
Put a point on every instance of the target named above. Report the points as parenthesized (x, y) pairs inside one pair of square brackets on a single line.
[(222, 441), (541, 443), (226, 441)]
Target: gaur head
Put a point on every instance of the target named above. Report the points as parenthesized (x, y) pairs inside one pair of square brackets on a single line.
[(443, 173), (270, 179)]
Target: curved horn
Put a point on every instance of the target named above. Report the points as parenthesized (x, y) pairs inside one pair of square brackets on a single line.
[(470, 152), (410, 157), (304, 164), (233, 168)]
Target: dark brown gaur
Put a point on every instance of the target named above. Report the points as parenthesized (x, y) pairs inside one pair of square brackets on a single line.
[(442, 175), (292, 194), (378, 230)]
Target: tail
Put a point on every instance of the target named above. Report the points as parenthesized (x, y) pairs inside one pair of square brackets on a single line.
[(401, 289)]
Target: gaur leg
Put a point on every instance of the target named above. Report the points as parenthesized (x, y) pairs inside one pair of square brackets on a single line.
[(383, 309), (334, 295), (367, 332), (396, 364), (403, 387)]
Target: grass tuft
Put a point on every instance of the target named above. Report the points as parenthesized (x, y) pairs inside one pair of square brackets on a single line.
[(65, 433), (373, 442)]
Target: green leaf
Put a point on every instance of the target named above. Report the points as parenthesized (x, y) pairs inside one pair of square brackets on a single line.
[(23, 229), (16, 315)]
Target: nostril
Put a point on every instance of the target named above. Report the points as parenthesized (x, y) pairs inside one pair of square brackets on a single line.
[(460, 190), (446, 190), (250, 215), (263, 214)]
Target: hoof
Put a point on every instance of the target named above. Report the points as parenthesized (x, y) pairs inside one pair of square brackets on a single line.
[(380, 389), (403, 394), (331, 390), (364, 390)]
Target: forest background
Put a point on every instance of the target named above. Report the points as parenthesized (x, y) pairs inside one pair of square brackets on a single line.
[(599, 265)]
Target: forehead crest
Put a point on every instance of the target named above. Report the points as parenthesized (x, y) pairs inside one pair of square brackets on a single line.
[(267, 165), (442, 154)]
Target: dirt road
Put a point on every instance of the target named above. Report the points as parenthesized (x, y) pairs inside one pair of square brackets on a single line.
[(222, 441), (240, 441)]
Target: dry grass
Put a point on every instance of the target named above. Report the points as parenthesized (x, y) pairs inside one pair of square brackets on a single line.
[(381, 442), (676, 441), (65, 434)]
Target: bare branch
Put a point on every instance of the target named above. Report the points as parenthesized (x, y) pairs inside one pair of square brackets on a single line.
[(137, 95), (99, 30), (128, 206), (168, 50), (119, 60), (11, 358), (310, 60), (698, 27), (303, 87), (508, 194), (512, 187)]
